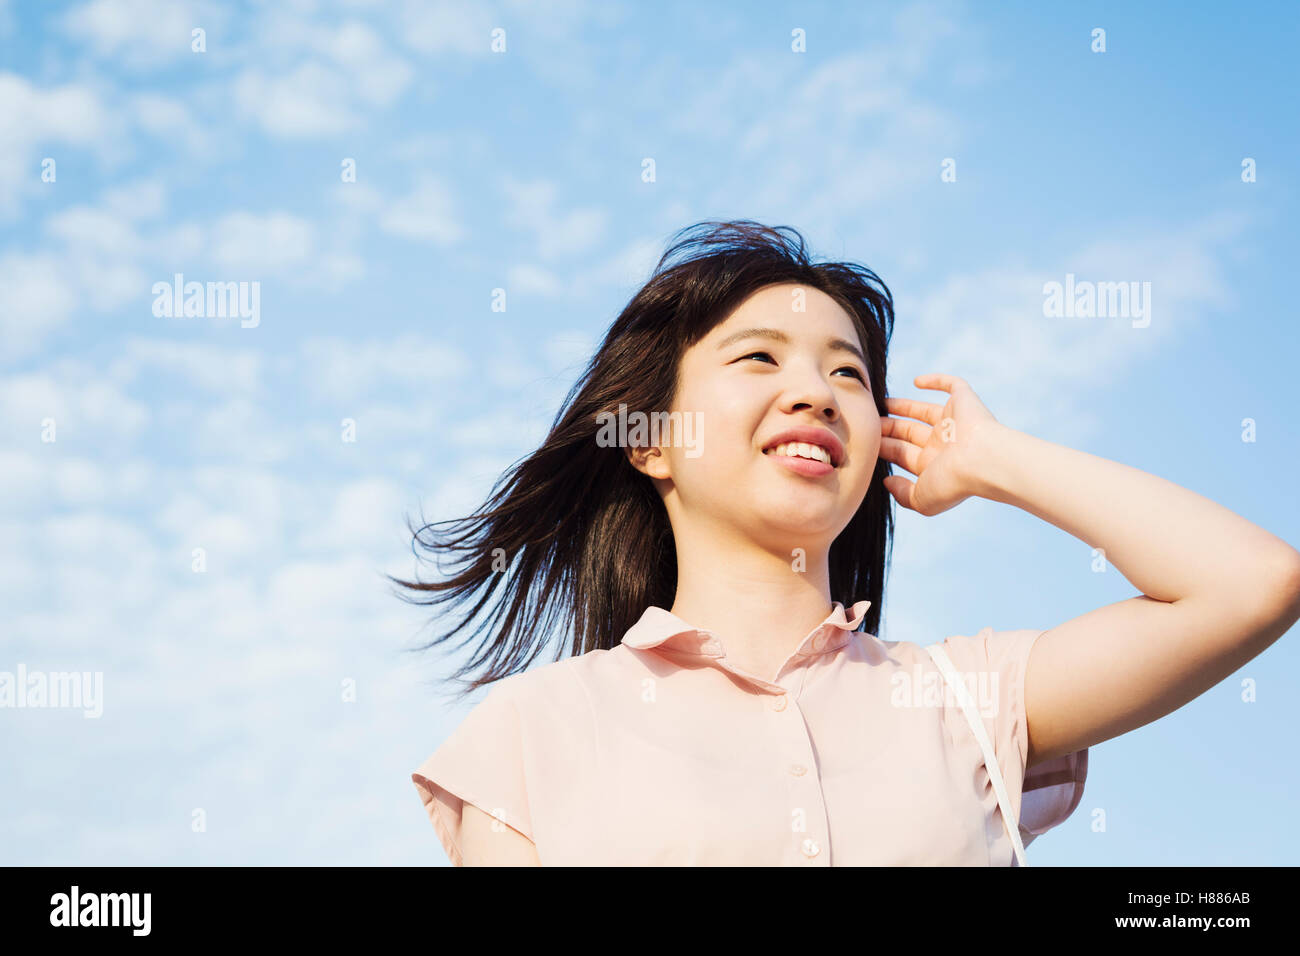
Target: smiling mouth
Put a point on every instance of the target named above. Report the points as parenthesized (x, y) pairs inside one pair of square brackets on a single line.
[(804, 450)]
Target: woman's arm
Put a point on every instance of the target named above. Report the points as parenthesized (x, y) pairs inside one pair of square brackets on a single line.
[(1217, 589)]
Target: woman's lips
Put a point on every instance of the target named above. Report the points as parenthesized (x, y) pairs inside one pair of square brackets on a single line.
[(802, 466)]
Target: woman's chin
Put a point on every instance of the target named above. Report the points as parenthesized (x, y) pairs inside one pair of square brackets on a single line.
[(801, 520)]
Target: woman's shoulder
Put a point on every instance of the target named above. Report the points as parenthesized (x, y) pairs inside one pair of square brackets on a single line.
[(980, 647), (556, 682)]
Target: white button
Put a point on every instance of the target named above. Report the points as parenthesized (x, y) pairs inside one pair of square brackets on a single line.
[(778, 702), (810, 848), (798, 769)]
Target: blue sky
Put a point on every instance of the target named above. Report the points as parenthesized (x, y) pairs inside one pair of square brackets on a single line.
[(523, 170)]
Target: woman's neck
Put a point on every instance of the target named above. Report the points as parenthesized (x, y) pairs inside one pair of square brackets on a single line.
[(759, 604)]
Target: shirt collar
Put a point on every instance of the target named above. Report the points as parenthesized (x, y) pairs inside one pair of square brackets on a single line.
[(661, 629)]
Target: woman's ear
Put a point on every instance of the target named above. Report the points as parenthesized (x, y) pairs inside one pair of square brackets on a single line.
[(649, 461)]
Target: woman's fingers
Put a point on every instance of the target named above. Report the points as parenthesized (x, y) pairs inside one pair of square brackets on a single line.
[(938, 380), (910, 408), (902, 453), (901, 489), (906, 429)]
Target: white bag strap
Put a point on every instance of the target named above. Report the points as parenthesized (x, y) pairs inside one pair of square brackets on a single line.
[(990, 759)]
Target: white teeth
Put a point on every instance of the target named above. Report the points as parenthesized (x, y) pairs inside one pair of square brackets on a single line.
[(798, 449)]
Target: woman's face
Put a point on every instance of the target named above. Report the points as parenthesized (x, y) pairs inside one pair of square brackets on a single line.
[(744, 391)]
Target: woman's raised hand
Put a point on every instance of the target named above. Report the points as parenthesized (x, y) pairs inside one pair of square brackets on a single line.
[(945, 449)]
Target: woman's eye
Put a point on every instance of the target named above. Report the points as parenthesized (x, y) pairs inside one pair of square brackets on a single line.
[(847, 368)]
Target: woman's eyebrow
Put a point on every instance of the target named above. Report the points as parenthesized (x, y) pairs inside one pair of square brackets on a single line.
[(840, 345)]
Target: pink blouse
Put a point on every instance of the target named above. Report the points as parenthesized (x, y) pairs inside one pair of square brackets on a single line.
[(659, 752)]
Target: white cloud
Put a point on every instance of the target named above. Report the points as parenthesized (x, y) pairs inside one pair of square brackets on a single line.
[(93, 268), (262, 244), (25, 483), (107, 283), (140, 33), (39, 296), (859, 117), (104, 257), (358, 196), (379, 75), (48, 476), (231, 537), (501, 429), (169, 120), (555, 233), (86, 409), (141, 199), (318, 80), (32, 116), (348, 369), (918, 32), (262, 497), (447, 27), (310, 101), (209, 367), (426, 213), (72, 113), (96, 230), (534, 280), (325, 602), (245, 430), (627, 268), (335, 270), (177, 244), (364, 516), (988, 327)]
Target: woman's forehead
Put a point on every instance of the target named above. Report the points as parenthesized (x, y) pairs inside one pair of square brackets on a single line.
[(790, 305), (816, 323)]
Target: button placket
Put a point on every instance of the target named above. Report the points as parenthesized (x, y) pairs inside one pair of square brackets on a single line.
[(806, 847), (810, 846)]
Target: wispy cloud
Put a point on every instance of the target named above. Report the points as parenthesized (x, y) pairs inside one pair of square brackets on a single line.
[(141, 34), (283, 459)]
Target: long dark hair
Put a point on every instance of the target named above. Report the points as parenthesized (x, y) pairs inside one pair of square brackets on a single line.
[(573, 532)]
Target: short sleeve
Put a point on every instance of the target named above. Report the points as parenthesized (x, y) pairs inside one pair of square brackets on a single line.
[(996, 662), (481, 762)]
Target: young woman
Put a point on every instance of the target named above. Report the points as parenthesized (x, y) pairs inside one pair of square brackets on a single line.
[(718, 703)]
